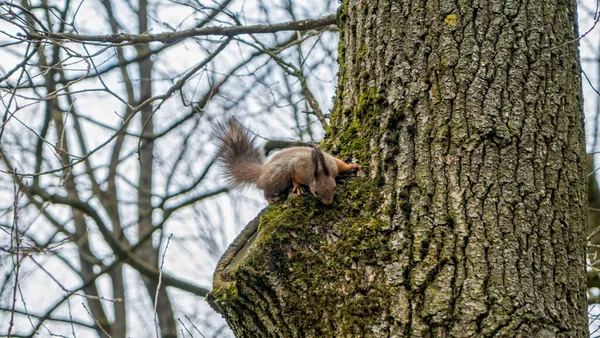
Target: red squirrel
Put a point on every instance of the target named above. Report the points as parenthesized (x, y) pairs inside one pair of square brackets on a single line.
[(244, 163)]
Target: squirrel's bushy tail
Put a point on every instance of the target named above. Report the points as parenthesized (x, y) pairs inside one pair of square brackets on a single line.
[(238, 154)]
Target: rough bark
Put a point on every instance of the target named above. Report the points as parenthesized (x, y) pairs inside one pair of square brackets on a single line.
[(469, 215)]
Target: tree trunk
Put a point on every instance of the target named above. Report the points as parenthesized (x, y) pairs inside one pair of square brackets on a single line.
[(469, 215)]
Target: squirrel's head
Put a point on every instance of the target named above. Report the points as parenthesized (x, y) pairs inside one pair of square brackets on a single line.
[(323, 185), (323, 188)]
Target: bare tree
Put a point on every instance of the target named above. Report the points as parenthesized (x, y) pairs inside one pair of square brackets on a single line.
[(106, 150)]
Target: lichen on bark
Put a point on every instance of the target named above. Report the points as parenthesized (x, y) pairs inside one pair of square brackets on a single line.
[(468, 217)]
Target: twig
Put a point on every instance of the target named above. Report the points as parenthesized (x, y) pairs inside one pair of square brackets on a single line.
[(158, 286), (179, 84), (71, 318), (71, 293), (185, 327), (14, 247), (97, 323), (194, 326)]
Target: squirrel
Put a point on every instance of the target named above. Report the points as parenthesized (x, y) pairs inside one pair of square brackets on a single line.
[(244, 163)]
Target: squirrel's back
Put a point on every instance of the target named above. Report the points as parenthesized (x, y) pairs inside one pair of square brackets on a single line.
[(241, 158)]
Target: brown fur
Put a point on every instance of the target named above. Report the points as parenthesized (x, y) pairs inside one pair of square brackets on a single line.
[(238, 154), (244, 163)]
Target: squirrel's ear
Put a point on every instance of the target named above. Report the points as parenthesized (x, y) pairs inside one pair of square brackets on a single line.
[(314, 155), (318, 158)]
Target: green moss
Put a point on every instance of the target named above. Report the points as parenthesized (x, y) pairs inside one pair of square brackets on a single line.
[(361, 55), (443, 65), (353, 141), (342, 17), (358, 194), (349, 231), (343, 12), (224, 294), (435, 93), (368, 103), (349, 141)]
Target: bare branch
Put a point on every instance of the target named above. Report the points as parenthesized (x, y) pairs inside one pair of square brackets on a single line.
[(123, 253), (195, 199), (15, 244), (97, 323), (169, 37)]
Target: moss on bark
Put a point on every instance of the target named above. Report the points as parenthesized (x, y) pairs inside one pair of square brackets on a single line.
[(312, 248)]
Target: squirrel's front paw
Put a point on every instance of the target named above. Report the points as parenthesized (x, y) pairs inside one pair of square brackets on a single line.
[(354, 166)]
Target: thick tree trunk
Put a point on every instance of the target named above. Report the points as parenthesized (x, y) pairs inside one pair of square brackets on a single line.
[(469, 217)]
